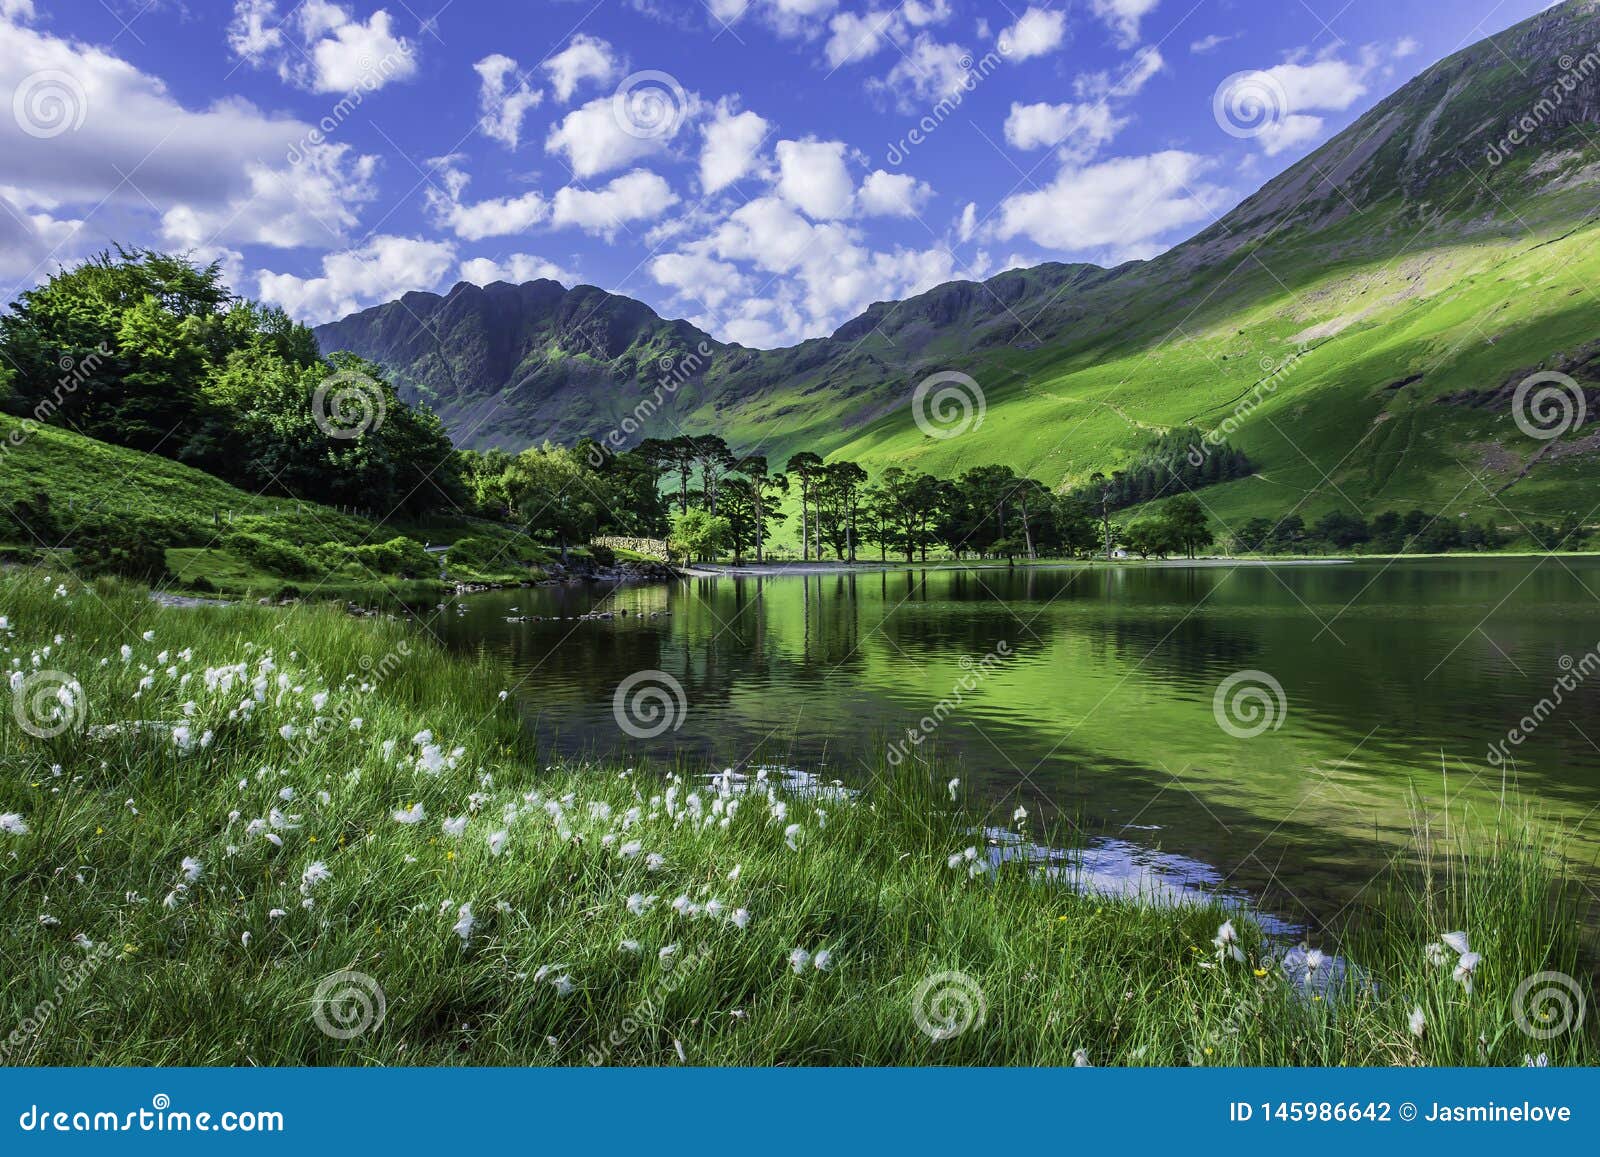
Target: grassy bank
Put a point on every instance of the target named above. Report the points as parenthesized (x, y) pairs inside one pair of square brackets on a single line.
[(70, 500), (212, 834)]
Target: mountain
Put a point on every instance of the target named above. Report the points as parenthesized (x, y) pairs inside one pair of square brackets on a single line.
[(1359, 326)]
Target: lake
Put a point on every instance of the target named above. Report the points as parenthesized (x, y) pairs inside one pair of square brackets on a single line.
[(1267, 730)]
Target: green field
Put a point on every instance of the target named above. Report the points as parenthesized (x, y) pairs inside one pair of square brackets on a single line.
[(167, 848)]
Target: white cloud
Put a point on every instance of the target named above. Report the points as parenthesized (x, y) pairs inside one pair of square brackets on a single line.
[(1406, 46), (785, 17), (929, 71), (32, 244), (1208, 44), (1123, 17), (383, 269), (812, 176), (700, 277), (596, 139), (1290, 95), (585, 58), (892, 195), (310, 203), (1140, 68), (1118, 206), (967, 224), (494, 217), (637, 196), (811, 276), (1289, 132), (1082, 128), (125, 148), (501, 103), (516, 268), (1037, 32), (334, 51), (1325, 84), (732, 147), (856, 37)]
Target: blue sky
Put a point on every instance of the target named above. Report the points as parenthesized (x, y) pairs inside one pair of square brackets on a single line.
[(765, 168)]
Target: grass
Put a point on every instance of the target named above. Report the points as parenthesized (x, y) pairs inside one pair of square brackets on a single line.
[(174, 971), (85, 484)]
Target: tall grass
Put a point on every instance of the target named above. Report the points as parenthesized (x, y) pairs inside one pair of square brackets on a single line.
[(115, 957)]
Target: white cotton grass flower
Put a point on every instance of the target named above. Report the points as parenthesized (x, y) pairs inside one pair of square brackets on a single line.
[(1227, 942), (1465, 967), (654, 862), (464, 924), (411, 815), (639, 903), (798, 959), (316, 873), (454, 826), (1435, 952), (13, 824), (1080, 1059), (277, 914), (631, 947), (740, 918), (1020, 815), (734, 875), (244, 940), (82, 941), (191, 869), (791, 836), (497, 842), (1456, 942), (1417, 1022), (562, 984), (666, 954), (630, 849), (951, 788), (823, 960)]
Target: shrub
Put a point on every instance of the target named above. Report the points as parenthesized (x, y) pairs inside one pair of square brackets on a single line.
[(103, 551), (400, 556), (272, 554)]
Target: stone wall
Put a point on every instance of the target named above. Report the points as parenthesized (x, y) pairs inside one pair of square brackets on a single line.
[(655, 548)]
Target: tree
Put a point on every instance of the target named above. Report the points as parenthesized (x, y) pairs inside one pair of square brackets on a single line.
[(838, 491), (765, 487), (805, 468), (555, 495), (1150, 536), (697, 534), (1186, 519), (713, 457)]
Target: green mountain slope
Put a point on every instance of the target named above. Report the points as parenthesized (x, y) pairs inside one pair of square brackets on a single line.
[(1359, 326)]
